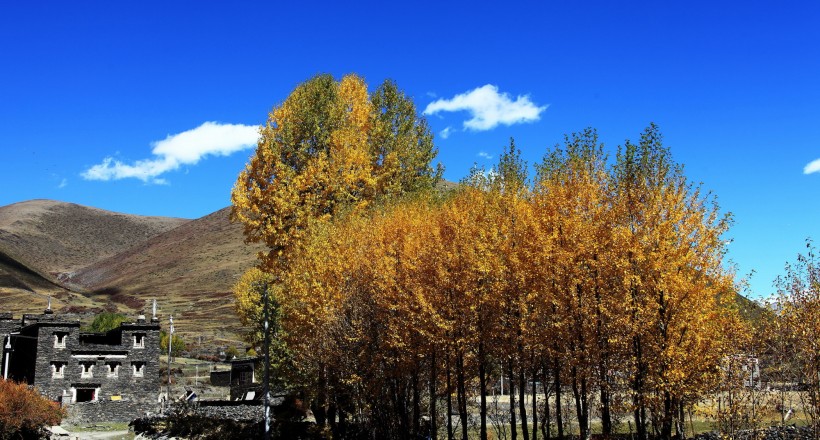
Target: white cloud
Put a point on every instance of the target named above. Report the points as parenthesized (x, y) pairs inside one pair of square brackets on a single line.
[(488, 108), (176, 150), (63, 184), (446, 132), (485, 155), (812, 167)]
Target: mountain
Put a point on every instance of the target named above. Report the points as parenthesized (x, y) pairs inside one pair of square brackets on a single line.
[(55, 239), (189, 269), (89, 259)]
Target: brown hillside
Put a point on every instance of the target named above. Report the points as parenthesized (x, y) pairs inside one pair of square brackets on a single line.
[(24, 291), (190, 270), (55, 239)]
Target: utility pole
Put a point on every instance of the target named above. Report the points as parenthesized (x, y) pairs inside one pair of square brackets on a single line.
[(170, 339), (265, 382), (8, 355)]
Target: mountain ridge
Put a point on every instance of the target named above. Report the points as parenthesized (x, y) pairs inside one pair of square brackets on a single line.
[(89, 259)]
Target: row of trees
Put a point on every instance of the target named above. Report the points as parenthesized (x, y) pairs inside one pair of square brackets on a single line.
[(394, 305), (593, 279)]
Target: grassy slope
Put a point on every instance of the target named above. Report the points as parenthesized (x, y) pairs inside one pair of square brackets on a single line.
[(190, 270), (55, 239), (86, 258)]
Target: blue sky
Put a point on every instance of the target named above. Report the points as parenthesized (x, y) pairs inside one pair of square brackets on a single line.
[(734, 87)]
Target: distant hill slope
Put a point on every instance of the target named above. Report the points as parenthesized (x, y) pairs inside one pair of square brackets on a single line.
[(90, 259), (190, 270), (55, 239)]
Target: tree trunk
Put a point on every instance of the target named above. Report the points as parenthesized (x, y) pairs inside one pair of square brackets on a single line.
[(606, 416), (400, 408), (581, 404), (320, 407), (450, 435), (462, 395), (534, 402), (637, 388), (482, 383), (545, 425), (433, 428), (522, 400), (668, 408), (559, 418), (416, 404), (513, 431)]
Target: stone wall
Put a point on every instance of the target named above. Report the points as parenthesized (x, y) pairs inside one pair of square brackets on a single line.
[(109, 411), (221, 378)]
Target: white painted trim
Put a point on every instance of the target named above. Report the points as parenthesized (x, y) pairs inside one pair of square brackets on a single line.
[(97, 356)]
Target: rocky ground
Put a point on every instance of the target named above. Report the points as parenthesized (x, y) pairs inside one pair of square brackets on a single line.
[(788, 432)]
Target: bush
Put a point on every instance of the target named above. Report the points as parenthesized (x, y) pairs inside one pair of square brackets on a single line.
[(104, 322), (177, 344), (24, 413)]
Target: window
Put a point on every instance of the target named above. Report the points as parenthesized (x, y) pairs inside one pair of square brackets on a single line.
[(86, 395), (87, 369), (113, 369), (139, 369), (139, 340), (59, 339), (57, 370)]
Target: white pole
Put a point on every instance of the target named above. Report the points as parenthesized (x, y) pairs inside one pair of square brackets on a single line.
[(8, 355), (170, 339)]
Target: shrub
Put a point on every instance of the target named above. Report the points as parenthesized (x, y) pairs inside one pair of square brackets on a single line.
[(24, 413), (104, 322)]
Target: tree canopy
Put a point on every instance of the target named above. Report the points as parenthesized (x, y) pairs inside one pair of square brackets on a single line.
[(592, 276), (330, 145)]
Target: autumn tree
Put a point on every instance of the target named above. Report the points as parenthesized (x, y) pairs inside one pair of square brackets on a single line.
[(670, 240), (177, 343), (329, 145), (799, 315), (574, 184), (24, 413)]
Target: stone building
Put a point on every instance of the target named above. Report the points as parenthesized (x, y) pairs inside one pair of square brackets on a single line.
[(111, 376)]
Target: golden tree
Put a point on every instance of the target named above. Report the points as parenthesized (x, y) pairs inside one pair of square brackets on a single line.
[(573, 183), (328, 146), (669, 239)]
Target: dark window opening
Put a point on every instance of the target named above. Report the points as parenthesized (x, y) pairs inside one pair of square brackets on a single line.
[(139, 371), (87, 369), (139, 341), (113, 368), (57, 369), (59, 339), (86, 394)]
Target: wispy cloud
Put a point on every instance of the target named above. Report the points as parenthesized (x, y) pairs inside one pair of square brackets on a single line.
[(446, 132), (176, 150), (63, 184), (488, 108), (812, 167), (485, 155)]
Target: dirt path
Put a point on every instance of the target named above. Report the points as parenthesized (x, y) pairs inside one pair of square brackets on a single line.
[(105, 435)]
